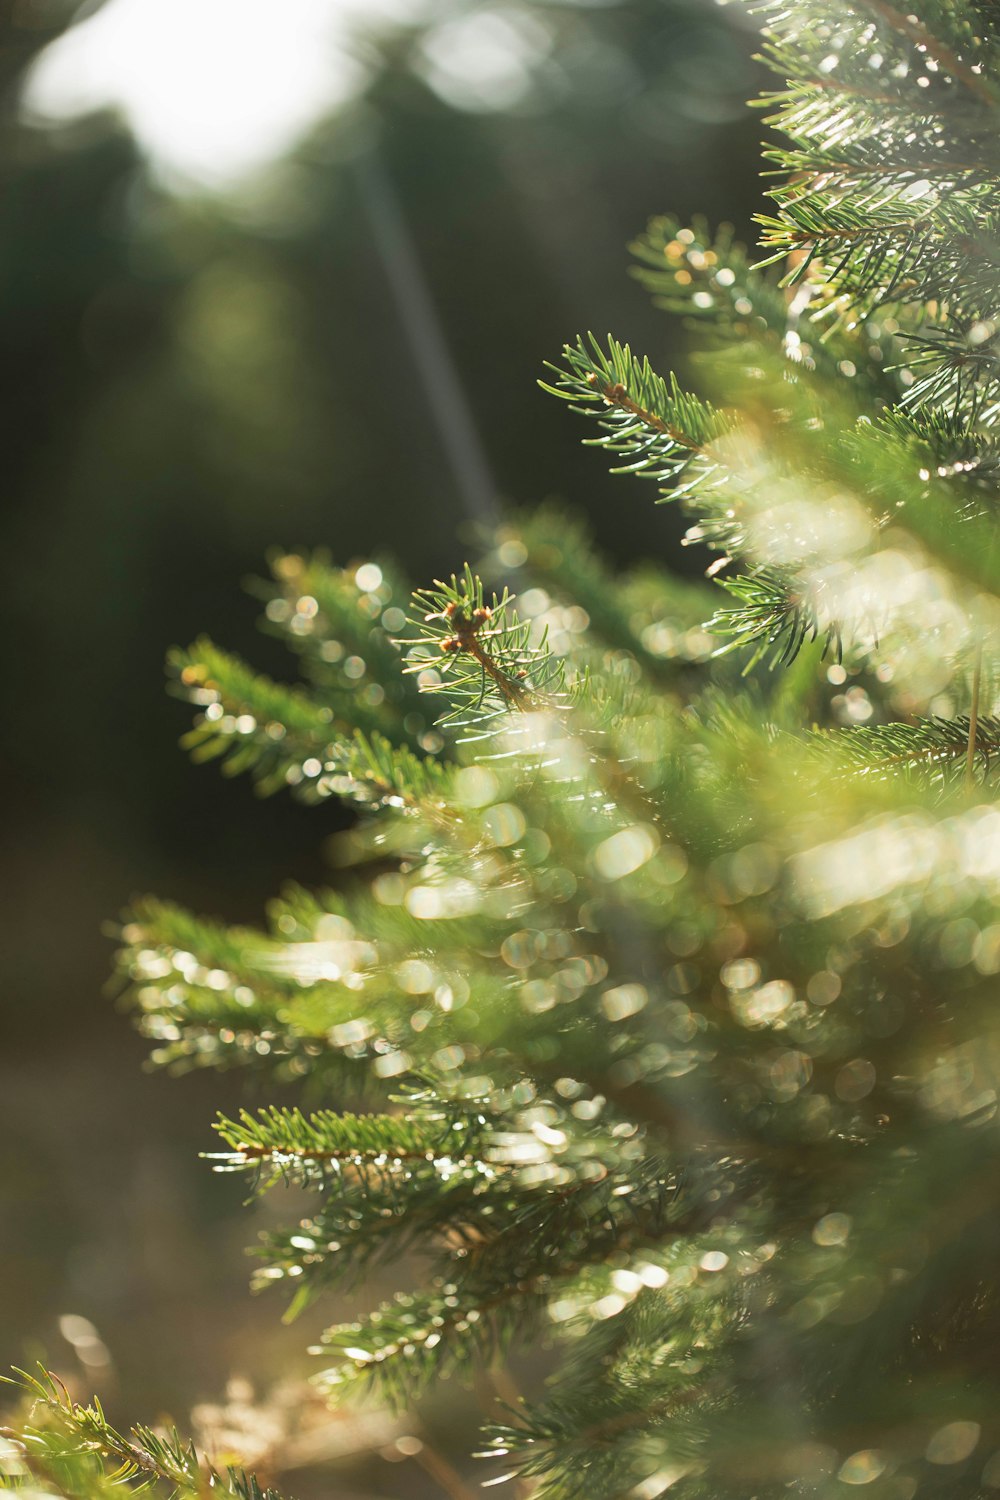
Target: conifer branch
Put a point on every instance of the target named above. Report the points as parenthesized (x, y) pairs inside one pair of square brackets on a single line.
[(284, 737), (659, 619), (318, 1148), (939, 746), (75, 1450), (495, 1297), (773, 617), (658, 426), (480, 655)]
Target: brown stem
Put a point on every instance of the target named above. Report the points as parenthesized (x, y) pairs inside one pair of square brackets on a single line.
[(617, 395), (466, 638), (810, 236), (931, 756), (892, 169), (437, 1466), (516, 695), (505, 1387)]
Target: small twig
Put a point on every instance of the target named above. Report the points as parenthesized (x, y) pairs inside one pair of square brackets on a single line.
[(438, 1467), (504, 1386), (466, 638), (617, 395)]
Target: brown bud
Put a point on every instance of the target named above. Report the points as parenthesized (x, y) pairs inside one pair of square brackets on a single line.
[(451, 643)]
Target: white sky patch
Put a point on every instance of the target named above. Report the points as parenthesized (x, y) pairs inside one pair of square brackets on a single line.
[(213, 89)]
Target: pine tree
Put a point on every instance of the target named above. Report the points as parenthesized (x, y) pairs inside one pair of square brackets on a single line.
[(663, 963)]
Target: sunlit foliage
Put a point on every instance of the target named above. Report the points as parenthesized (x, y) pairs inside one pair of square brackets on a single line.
[(669, 1000)]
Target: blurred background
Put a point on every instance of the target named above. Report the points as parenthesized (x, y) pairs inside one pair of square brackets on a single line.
[(272, 273)]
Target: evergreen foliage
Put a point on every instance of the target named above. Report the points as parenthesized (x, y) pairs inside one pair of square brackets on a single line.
[(673, 998), (64, 1448)]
